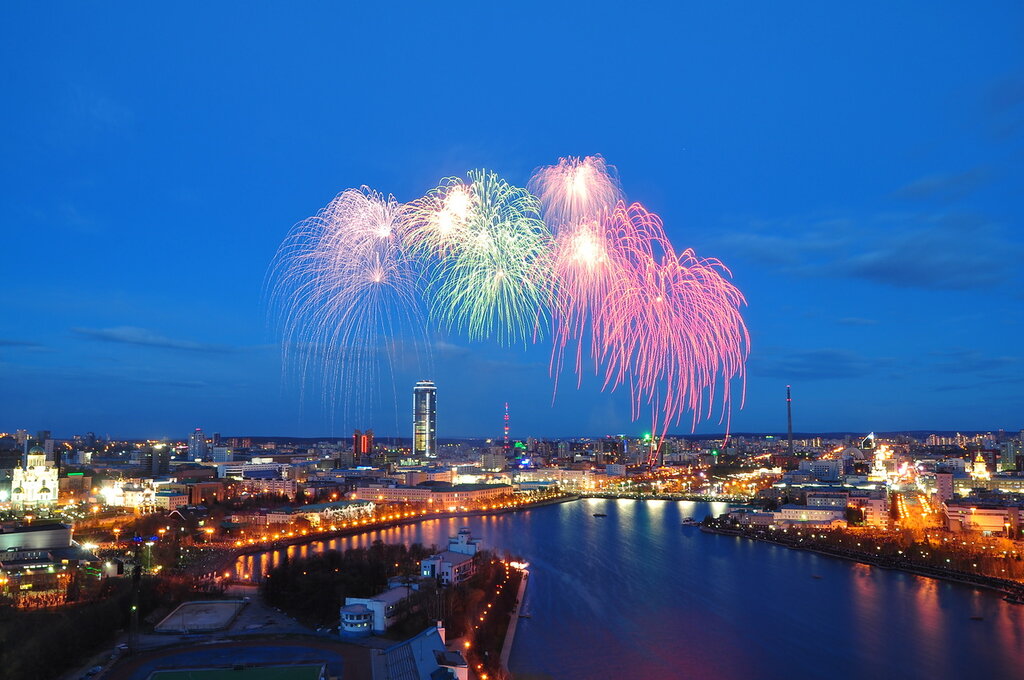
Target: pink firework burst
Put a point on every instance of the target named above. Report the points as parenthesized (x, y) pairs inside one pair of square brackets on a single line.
[(671, 328)]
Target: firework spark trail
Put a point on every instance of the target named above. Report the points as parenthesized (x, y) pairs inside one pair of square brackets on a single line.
[(577, 196), (666, 325), (490, 275), (345, 289), (437, 224), (576, 191), (673, 327)]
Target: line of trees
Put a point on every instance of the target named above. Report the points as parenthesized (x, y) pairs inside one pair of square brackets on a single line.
[(313, 589), (40, 644)]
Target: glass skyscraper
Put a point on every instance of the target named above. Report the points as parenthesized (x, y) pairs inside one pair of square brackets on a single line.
[(424, 420)]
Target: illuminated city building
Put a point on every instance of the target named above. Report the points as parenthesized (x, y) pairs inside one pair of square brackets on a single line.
[(197, 445), (464, 543), (986, 516), (34, 483), (169, 500), (138, 494), (39, 559), (882, 465), (944, 486), (361, 615), (438, 494), (362, 445), (424, 420), (455, 565), (1012, 453), (980, 469)]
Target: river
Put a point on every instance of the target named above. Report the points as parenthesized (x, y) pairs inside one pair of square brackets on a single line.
[(636, 595)]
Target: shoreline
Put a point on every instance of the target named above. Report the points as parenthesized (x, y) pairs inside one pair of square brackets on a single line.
[(695, 497), (510, 630), (1012, 591), (230, 558)]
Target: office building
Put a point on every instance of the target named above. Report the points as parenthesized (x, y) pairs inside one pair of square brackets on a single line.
[(424, 420), (197, 445), (362, 446)]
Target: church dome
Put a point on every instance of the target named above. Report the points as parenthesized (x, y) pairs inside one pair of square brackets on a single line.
[(18, 490), (45, 491), (37, 451)]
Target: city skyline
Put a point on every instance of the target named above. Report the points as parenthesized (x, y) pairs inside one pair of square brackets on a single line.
[(868, 213), (369, 341)]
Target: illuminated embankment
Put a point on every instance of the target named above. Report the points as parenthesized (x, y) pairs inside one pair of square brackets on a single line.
[(223, 566)]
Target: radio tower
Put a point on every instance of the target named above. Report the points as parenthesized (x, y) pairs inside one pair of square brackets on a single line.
[(508, 447), (789, 417)]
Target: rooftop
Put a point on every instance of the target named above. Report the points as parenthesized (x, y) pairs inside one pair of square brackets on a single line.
[(52, 526), (320, 507), (388, 596), (453, 557), (477, 487)]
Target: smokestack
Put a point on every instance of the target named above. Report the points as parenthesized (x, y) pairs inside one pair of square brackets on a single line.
[(789, 418)]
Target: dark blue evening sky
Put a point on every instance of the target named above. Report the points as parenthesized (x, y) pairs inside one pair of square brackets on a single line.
[(857, 165)]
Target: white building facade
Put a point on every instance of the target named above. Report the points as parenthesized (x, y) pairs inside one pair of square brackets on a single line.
[(34, 485)]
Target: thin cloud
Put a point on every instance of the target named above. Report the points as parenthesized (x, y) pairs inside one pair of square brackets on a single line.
[(971, 361), (132, 335), (949, 187), (27, 344), (816, 364), (926, 251)]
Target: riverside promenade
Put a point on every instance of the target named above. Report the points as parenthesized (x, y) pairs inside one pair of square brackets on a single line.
[(510, 632), (222, 564)]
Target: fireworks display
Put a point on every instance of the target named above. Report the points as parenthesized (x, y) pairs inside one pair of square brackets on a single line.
[(489, 274), (343, 286), (499, 262)]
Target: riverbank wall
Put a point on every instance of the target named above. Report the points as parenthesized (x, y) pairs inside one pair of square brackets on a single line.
[(1012, 591), (510, 632), (226, 563), (700, 498)]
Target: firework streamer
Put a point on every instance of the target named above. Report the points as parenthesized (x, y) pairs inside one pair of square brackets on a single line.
[(344, 290), (576, 190), (490, 271), (578, 196), (672, 328)]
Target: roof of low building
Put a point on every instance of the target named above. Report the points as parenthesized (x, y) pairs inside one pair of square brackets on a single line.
[(453, 557), (478, 487), (391, 596)]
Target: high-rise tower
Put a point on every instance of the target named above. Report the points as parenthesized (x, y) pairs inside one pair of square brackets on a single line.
[(197, 445), (789, 418), (424, 420), (362, 446)]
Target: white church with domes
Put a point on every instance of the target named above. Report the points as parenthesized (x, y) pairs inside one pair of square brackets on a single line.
[(34, 484)]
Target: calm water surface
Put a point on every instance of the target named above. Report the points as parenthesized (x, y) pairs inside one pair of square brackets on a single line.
[(635, 595)]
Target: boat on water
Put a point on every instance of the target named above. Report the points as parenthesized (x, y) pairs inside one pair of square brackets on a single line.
[(600, 514), (690, 522)]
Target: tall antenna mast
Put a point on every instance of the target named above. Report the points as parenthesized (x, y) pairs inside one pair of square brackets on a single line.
[(508, 448), (789, 418)]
